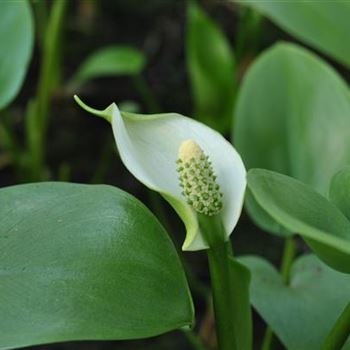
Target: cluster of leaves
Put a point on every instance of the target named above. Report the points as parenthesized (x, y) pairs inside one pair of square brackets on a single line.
[(291, 115)]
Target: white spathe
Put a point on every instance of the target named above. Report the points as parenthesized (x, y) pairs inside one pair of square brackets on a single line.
[(148, 146)]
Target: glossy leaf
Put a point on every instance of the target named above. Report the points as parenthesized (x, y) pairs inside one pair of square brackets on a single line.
[(302, 313), (302, 210), (324, 25), (293, 117), (85, 262), (16, 44), (109, 61), (211, 68)]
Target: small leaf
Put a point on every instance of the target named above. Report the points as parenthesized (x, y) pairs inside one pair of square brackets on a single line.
[(282, 118), (302, 210), (324, 25), (16, 44), (83, 262), (302, 313), (109, 61), (211, 67)]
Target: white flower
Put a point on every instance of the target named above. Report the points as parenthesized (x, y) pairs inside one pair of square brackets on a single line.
[(149, 147)]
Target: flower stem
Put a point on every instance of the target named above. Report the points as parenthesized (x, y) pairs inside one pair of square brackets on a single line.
[(38, 110), (41, 15), (218, 266), (287, 261), (339, 333), (218, 257), (288, 258)]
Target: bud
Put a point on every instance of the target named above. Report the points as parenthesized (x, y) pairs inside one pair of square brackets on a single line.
[(198, 180)]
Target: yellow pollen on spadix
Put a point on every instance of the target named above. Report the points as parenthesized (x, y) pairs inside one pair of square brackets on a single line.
[(189, 149), (198, 180)]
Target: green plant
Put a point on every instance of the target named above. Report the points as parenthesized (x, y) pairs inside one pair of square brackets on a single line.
[(91, 262)]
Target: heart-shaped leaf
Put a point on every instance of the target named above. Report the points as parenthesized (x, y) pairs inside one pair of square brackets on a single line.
[(211, 67), (302, 313), (16, 43), (302, 210), (85, 262), (283, 118), (324, 25)]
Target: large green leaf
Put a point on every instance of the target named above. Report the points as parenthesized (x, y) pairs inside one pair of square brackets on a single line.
[(16, 43), (211, 67), (302, 313), (109, 61), (293, 116), (323, 24), (85, 262), (302, 210)]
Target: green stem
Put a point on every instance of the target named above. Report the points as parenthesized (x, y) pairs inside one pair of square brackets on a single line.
[(49, 66), (219, 274), (287, 258), (41, 14), (339, 333), (38, 110), (289, 252), (218, 257)]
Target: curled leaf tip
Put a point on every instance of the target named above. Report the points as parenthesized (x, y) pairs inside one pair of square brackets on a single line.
[(198, 180), (105, 114)]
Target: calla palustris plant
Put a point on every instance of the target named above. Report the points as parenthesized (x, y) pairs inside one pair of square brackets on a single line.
[(203, 177)]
